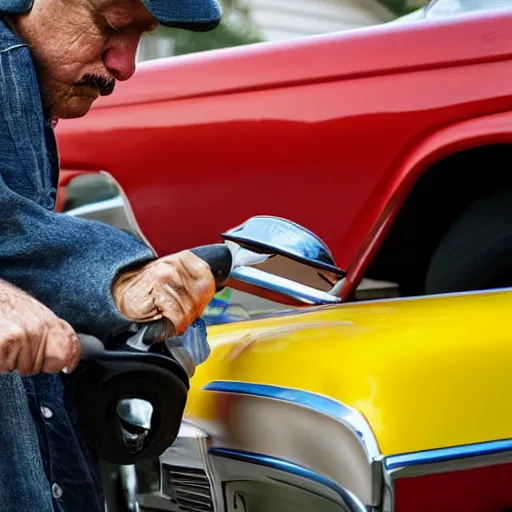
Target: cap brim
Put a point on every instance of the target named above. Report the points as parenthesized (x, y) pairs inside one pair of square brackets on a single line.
[(195, 15)]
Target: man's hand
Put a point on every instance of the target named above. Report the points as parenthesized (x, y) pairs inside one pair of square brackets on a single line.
[(176, 287), (33, 338)]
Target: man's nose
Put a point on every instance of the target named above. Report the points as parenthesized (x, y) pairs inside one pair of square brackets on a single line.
[(119, 58)]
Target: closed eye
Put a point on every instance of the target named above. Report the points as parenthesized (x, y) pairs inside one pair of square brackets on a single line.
[(108, 26)]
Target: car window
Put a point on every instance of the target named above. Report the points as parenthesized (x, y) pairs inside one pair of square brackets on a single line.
[(441, 8)]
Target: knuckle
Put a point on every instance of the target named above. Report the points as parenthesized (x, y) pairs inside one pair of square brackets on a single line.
[(160, 274), (10, 339), (61, 324), (60, 329), (68, 331), (75, 353), (15, 331), (159, 268)]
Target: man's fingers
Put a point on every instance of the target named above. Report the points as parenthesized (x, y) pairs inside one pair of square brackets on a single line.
[(76, 355), (32, 337), (190, 282), (10, 347), (176, 305), (183, 292), (62, 349), (177, 287)]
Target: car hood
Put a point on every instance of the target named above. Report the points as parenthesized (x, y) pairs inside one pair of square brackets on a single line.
[(425, 373)]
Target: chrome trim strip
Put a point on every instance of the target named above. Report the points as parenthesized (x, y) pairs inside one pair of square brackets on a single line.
[(282, 286), (99, 206), (388, 491), (451, 466), (435, 298), (319, 403), (442, 460), (352, 502), (447, 454)]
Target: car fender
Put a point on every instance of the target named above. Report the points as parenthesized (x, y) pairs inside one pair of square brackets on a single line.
[(416, 160)]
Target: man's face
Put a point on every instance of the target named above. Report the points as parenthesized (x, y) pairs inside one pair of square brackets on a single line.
[(81, 47)]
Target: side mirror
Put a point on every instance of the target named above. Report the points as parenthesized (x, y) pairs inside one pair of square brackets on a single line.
[(299, 268)]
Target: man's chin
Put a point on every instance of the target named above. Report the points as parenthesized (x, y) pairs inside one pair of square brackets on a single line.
[(77, 106)]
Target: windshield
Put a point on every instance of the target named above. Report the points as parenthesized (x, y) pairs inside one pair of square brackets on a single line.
[(440, 8)]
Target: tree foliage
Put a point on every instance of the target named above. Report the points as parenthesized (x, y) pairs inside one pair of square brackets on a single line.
[(236, 28)]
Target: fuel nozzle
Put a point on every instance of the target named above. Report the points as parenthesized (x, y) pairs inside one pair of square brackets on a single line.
[(192, 348)]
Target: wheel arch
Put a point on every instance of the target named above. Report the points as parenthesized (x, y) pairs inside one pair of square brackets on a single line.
[(427, 197)]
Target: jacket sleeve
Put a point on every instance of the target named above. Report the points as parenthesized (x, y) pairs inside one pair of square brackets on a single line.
[(65, 262)]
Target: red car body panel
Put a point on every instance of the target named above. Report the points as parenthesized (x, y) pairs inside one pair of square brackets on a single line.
[(451, 491), (330, 131)]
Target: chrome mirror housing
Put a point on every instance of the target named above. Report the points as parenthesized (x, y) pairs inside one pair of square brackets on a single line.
[(299, 269)]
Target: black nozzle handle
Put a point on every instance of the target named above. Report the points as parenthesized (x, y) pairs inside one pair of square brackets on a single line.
[(158, 331), (218, 256), (92, 347), (153, 332)]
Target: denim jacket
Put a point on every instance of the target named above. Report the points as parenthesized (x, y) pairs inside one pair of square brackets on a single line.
[(65, 262), (68, 264)]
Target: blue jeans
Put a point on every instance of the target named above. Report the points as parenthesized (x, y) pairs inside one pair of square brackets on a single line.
[(44, 464)]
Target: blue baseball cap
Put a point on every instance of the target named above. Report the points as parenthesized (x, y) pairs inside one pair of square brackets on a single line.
[(195, 15)]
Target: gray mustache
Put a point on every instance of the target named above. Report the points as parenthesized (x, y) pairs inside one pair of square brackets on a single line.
[(104, 85)]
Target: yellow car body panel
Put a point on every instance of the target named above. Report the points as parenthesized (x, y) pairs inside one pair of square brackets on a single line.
[(426, 373)]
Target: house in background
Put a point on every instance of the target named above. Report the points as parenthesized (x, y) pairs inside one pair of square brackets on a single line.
[(290, 19)]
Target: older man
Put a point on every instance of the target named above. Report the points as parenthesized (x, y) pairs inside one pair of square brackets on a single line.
[(56, 58)]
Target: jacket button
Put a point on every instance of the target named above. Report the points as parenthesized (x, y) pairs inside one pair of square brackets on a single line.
[(46, 412), (56, 491)]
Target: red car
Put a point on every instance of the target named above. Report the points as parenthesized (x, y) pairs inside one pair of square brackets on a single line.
[(393, 143)]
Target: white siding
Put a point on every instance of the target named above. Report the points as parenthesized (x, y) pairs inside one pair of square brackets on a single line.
[(288, 19)]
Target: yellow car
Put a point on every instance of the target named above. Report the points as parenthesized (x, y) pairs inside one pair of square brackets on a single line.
[(392, 405)]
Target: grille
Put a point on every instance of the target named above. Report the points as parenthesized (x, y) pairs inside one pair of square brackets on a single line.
[(189, 488)]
